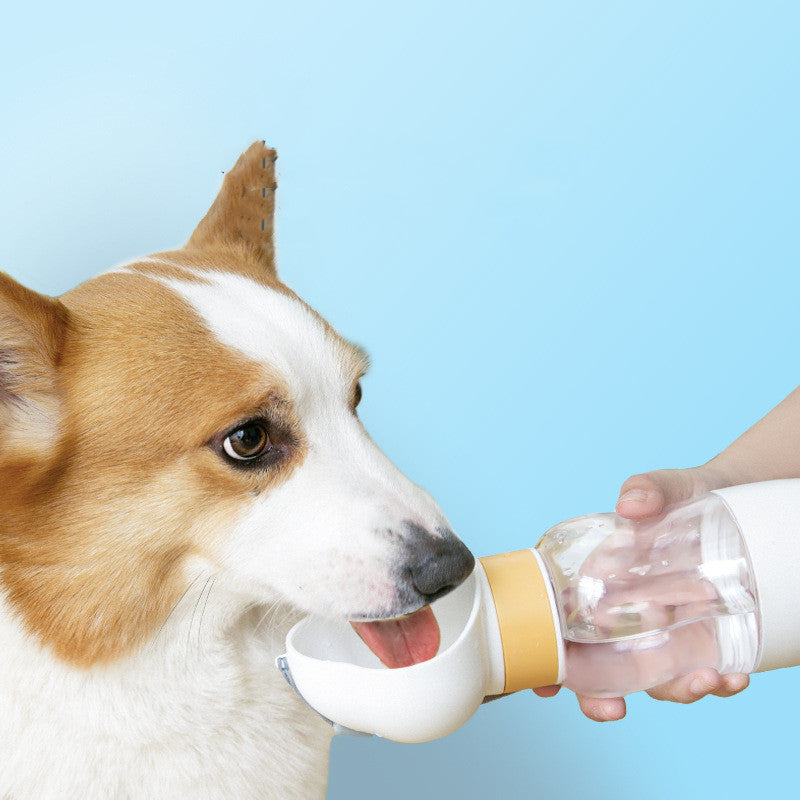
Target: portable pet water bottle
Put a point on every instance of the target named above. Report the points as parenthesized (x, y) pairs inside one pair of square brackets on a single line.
[(603, 605)]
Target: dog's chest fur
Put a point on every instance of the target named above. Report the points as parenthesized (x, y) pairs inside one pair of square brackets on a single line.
[(201, 712)]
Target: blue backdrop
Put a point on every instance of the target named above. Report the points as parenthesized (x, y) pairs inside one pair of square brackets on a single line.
[(567, 233)]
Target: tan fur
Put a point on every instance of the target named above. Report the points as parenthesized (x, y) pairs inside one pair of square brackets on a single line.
[(94, 557)]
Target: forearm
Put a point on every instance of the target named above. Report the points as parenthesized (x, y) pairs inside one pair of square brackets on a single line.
[(767, 451)]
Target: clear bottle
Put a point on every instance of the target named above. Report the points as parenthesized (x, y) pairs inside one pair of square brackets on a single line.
[(640, 603)]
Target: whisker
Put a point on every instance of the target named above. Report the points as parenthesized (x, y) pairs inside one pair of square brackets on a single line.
[(250, 606), (270, 612), (261, 621), (205, 603), (178, 602), (191, 621)]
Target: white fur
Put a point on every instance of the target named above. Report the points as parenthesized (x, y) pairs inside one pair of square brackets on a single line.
[(201, 712), (273, 329)]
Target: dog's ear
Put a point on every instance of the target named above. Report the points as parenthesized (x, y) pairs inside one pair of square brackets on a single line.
[(243, 214), (32, 332)]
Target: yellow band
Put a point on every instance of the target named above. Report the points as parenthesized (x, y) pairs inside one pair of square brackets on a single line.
[(527, 630)]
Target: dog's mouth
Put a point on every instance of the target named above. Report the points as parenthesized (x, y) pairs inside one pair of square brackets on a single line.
[(402, 641)]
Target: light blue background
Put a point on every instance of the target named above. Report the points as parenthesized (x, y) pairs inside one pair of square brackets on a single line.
[(567, 233)]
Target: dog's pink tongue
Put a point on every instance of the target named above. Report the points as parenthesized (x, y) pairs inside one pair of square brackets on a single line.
[(402, 641)]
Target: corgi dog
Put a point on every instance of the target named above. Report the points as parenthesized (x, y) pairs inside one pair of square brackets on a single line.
[(183, 475)]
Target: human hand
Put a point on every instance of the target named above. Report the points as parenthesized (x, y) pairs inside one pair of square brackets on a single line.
[(643, 496)]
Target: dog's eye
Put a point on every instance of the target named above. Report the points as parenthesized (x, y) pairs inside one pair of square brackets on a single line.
[(357, 395), (248, 442)]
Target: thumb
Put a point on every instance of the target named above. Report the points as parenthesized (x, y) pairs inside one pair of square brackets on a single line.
[(648, 493)]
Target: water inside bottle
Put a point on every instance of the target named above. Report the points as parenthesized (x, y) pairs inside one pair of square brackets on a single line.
[(627, 665)]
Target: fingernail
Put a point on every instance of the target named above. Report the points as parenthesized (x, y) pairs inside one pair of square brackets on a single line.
[(633, 495), (735, 683), (598, 714), (698, 686)]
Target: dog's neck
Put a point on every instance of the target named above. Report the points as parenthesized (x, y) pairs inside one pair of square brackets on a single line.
[(200, 711)]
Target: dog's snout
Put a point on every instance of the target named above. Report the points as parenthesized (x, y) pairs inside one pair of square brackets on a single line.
[(438, 564)]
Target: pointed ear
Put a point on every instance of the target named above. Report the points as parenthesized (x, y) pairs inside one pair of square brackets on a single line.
[(32, 330), (243, 213)]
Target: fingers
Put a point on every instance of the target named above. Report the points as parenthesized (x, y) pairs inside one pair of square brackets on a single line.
[(732, 684), (639, 497), (696, 685), (646, 494), (687, 689), (602, 709)]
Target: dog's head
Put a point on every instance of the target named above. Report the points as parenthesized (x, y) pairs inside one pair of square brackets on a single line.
[(187, 414)]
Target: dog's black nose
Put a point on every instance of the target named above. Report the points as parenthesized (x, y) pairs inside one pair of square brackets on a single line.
[(439, 563)]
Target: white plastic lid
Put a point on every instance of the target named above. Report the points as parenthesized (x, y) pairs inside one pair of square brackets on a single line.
[(768, 516)]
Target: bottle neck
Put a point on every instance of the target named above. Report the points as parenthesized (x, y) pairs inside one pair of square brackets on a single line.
[(530, 632)]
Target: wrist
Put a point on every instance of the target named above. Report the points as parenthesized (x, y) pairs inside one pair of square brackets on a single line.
[(722, 471)]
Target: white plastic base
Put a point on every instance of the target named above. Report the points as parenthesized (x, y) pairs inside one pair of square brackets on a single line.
[(768, 515)]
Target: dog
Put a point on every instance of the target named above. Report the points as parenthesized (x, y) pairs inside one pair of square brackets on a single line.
[(183, 476)]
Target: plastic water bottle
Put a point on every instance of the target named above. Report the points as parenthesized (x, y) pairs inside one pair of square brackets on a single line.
[(603, 605)]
